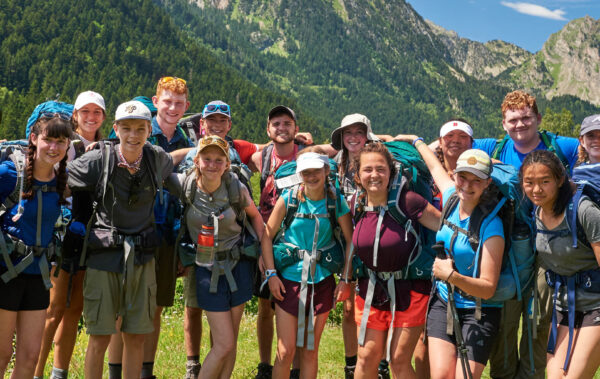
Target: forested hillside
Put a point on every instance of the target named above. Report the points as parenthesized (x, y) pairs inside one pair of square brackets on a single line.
[(118, 48)]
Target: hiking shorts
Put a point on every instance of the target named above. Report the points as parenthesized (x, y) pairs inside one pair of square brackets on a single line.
[(104, 299), (323, 296), (166, 275), (582, 319), (189, 288), (26, 292), (479, 335), (380, 320), (223, 300)]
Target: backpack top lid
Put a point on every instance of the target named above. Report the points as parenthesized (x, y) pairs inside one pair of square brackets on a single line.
[(147, 102), (51, 106)]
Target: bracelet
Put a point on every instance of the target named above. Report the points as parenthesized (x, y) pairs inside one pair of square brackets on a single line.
[(448, 278), (414, 142), (270, 273)]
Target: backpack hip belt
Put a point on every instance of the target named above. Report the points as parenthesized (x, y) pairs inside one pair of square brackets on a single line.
[(223, 264), (11, 247)]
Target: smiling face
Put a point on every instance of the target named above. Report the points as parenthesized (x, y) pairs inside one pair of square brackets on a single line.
[(89, 119), (132, 135), (49, 150), (374, 173), (540, 185), (170, 106), (354, 137), (470, 187), (591, 143), (314, 178), (282, 129), (212, 163), (454, 143), (521, 124), (216, 125)]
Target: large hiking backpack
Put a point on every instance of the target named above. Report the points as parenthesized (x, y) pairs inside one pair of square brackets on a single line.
[(267, 162), (549, 140), (191, 126), (16, 151), (286, 177), (517, 271), (248, 246), (51, 106)]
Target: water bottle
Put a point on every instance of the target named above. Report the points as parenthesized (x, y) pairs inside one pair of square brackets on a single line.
[(205, 247)]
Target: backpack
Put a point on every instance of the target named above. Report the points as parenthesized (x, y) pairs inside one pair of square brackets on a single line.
[(51, 106), (549, 140), (148, 103), (248, 246), (285, 177), (16, 151), (265, 171), (191, 126)]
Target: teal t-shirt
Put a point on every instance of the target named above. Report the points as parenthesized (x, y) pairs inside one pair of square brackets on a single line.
[(463, 253), (302, 231)]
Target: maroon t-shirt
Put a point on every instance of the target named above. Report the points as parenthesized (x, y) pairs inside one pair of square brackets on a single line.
[(394, 251)]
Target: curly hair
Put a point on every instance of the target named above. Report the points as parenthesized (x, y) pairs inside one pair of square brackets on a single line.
[(54, 127), (553, 163), (582, 155), (173, 84), (374, 147), (519, 100)]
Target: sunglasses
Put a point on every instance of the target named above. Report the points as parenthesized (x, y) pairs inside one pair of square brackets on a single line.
[(167, 79), (213, 140), (211, 108), (62, 116)]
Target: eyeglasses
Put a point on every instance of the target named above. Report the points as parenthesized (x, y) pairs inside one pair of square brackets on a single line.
[(167, 79), (62, 116), (212, 108)]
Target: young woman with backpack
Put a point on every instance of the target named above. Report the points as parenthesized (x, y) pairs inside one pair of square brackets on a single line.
[(455, 286), (589, 140), (216, 206), (66, 295), (28, 234), (568, 248), (304, 289)]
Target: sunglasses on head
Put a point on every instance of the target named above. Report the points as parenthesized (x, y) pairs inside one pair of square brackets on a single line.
[(62, 116), (214, 140), (167, 79), (211, 108)]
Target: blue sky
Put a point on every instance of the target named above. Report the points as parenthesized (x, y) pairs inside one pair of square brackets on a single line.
[(526, 23)]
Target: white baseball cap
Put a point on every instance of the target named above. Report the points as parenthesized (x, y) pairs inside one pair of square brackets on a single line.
[(310, 160), (456, 125), (89, 97), (133, 110)]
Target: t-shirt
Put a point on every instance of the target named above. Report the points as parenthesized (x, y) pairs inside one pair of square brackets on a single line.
[(26, 227), (559, 255), (128, 208), (229, 231), (511, 156), (395, 246), (302, 231), (245, 149), (462, 252), (268, 194)]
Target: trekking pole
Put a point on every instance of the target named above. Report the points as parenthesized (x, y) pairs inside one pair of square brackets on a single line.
[(460, 342)]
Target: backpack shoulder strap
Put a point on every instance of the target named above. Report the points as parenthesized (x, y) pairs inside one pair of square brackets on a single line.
[(292, 206), (18, 157), (499, 147), (549, 140), (235, 194), (153, 156), (265, 171), (398, 185)]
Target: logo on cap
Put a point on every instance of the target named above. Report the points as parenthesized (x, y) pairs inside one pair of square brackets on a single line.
[(472, 161), (130, 108)]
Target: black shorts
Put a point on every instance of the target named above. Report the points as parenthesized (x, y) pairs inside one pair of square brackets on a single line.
[(479, 335), (582, 319), (24, 293)]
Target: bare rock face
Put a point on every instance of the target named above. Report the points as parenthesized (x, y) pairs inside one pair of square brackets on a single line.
[(481, 60)]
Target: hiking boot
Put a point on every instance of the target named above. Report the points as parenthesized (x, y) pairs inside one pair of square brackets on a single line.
[(383, 372), (192, 371), (265, 371), (295, 373), (349, 372)]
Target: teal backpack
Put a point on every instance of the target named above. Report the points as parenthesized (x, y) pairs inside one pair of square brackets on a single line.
[(286, 177)]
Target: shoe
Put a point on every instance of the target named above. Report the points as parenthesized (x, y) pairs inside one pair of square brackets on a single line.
[(383, 373), (349, 372), (295, 373), (192, 371), (264, 371)]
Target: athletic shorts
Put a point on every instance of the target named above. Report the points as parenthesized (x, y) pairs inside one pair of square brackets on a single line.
[(166, 275), (582, 319), (323, 296), (223, 300), (479, 335), (26, 292), (380, 320), (104, 299), (189, 288)]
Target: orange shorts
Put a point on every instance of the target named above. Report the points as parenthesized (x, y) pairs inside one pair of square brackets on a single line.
[(380, 320)]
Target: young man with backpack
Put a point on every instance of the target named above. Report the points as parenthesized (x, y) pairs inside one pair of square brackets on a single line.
[(521, 120), (121, 237)]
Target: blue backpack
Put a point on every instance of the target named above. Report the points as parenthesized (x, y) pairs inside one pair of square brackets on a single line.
[(51, 106)]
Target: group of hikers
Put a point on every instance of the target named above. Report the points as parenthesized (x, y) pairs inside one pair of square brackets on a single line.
[(438, 252)]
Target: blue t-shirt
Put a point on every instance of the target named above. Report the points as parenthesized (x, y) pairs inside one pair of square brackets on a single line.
[(462, 251), (511, 156), (302, 230), (25, 228)]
